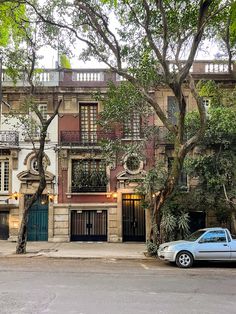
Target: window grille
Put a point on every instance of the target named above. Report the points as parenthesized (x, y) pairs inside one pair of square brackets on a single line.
[(4, 175), (88, 175), (132, 126)]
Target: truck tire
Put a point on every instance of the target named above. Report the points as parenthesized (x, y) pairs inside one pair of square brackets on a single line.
[(184, 259)]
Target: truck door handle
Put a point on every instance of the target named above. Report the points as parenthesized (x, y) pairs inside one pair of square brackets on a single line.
[(225, 244)]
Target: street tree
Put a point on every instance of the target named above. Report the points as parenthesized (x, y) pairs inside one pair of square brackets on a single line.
[(223, 30), (137, 40), (22, 63), (214, 165)]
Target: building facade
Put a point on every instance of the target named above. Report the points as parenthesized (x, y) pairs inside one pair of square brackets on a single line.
[(85, 199)]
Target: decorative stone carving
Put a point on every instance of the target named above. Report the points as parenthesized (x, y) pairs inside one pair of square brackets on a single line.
[(14, 156), (29, 176), (63, 156), (127, 180)]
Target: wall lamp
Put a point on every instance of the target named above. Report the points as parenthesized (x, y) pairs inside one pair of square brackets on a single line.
[(51, 197), (112, 195), (15, 195)]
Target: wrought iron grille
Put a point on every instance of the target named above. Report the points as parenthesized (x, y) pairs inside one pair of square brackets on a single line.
[(88, 175), (9, 138)]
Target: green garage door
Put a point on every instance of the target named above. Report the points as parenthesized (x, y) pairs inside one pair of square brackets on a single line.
[(38, 222)]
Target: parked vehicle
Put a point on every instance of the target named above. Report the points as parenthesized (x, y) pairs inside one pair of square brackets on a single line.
[(205, 244)]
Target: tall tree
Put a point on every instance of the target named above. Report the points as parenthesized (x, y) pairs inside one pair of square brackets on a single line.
[(22, 61), (223, 30), (137, 40), (214, 165)]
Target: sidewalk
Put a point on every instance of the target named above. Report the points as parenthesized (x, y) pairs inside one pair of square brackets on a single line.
[(83, 250)]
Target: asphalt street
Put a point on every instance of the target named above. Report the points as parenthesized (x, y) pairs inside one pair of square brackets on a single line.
[(94, 286)]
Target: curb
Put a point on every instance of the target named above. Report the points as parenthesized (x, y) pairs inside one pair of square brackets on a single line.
[(30, 255)]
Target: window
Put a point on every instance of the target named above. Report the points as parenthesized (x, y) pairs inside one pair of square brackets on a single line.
[(206, 103), (33, 129), (172, 109), (133, 164), (132, 126), (88, 175), (4, 175), (43, 108), (88, 123), (183, 178), (34, 164), (214, 237)]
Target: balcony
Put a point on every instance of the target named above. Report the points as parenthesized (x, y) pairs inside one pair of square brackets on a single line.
[(9, 138), (78, 138), (34, 136), (165, 137), (47, 77), (209, 69)]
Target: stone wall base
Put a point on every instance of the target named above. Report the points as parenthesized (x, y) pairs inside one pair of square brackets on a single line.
[(12, 239), (59, 239), (114, 239)]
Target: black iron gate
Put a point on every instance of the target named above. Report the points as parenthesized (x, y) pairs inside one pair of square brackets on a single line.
[(89, 225), (4, 225), (133, 218)]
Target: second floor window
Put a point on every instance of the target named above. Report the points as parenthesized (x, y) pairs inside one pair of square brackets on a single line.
[(88, 123), (4, 176), (88, 175), (183, 178), (206, 103), (43, 108), (172, 109), (132, 126)]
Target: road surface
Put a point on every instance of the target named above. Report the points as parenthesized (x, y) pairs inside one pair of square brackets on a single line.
[(45, 285)]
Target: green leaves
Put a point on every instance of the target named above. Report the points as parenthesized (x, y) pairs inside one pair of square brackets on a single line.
[(111, 2), (11, 16), (221, 126), (120, 102), (233, 23), (65, 62)]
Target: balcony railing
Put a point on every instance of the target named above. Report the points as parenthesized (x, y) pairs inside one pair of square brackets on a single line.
[(9, 138), (34, 136), (164, 136), (100, 77), (44, 78), (78, 138)]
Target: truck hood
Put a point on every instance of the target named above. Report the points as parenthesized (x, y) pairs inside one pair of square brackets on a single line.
[(173, 243)]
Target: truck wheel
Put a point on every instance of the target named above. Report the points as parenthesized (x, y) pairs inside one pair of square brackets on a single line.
[(184, 259)]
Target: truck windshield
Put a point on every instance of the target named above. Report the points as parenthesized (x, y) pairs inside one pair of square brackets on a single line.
[(194, 236)]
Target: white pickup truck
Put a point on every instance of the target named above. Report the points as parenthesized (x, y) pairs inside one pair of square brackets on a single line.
[(204, 244)]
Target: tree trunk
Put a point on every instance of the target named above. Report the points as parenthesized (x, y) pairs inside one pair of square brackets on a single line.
[(22, 236), (168, 189), (233, 219)]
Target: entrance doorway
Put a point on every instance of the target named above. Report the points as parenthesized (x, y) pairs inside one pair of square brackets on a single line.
[(4, 225), (89, 225), (133, 218), (197, 221), (38, 221)]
